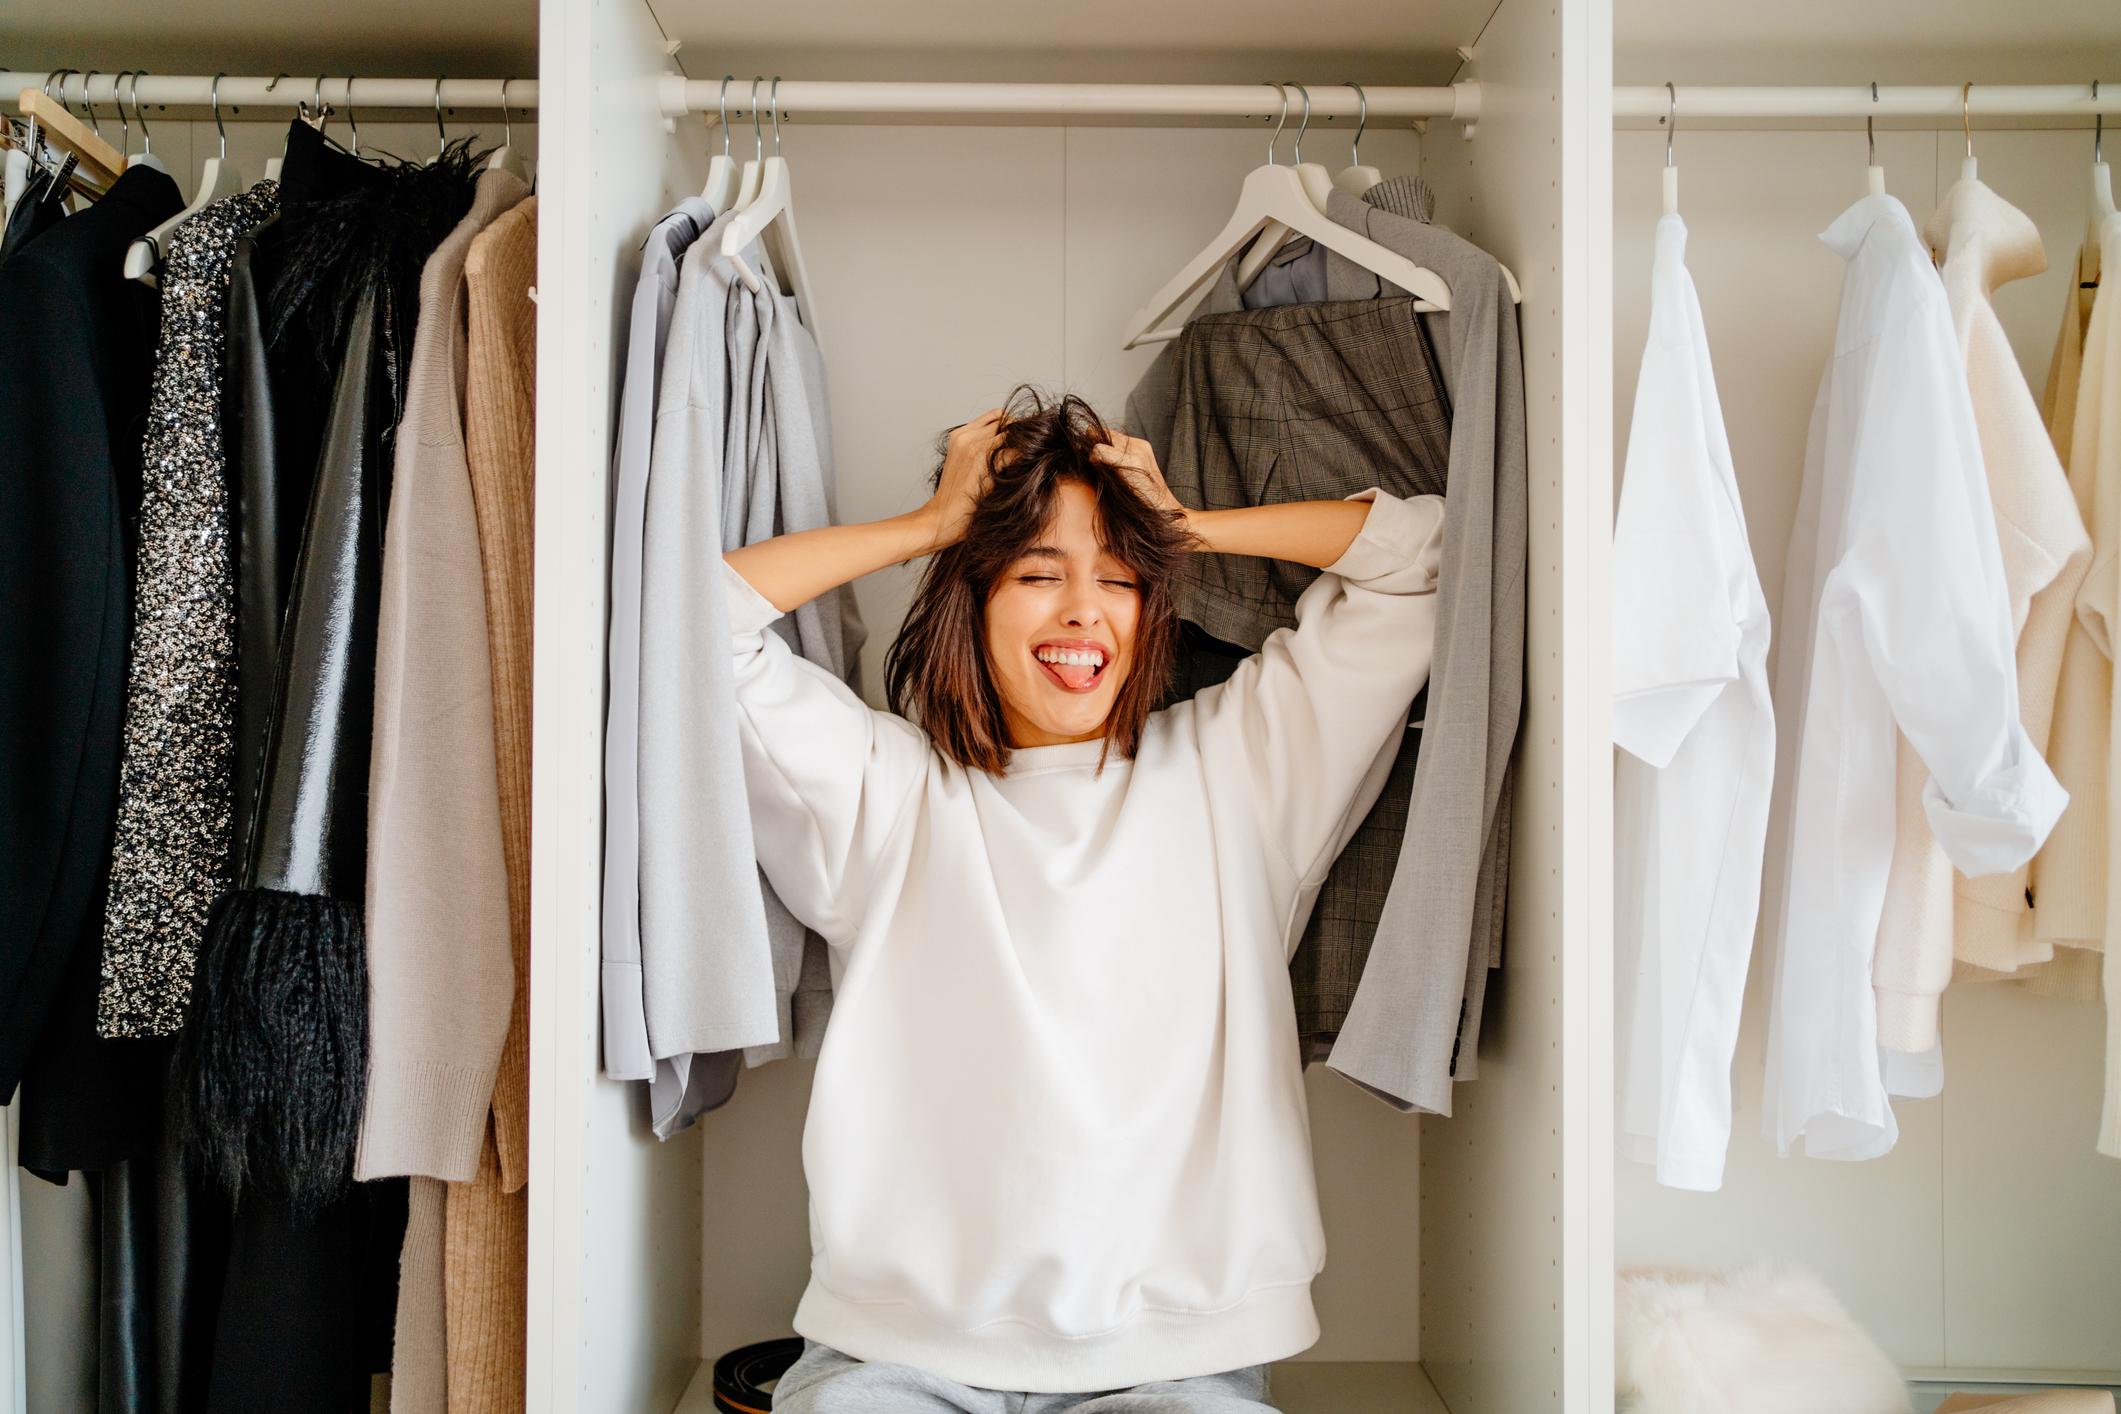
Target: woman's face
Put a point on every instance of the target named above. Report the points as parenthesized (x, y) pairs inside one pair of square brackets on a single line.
[(1060, 629)]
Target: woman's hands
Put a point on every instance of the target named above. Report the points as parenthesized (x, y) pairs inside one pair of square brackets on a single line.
[(1133, 458), (965, 477)]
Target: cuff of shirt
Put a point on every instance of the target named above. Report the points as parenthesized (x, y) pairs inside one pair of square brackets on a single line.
[(2001, 825), (1399, 531), (749, 610)]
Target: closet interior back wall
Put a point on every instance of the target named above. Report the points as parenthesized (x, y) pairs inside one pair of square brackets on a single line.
[(1020, 261), (1989, 1239)]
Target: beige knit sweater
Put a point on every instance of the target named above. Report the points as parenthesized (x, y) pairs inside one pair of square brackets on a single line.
[(2069, 873), (486, 1237), (1986, 243), (440, 973)]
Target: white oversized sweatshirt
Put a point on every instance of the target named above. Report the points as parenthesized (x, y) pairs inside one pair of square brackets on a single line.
[(1057, 1137)]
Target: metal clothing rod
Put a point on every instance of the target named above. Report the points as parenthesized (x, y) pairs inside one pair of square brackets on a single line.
[(810, 99), (1854, 101), (197, 91)]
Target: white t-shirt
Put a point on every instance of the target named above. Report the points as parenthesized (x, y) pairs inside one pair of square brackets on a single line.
[(1696, 728), (1057, 1137)]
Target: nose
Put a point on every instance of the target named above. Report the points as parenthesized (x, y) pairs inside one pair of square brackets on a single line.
[(1082, 610)]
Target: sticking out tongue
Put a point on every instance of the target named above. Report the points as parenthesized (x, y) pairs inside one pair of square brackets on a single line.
[(1076, 675)]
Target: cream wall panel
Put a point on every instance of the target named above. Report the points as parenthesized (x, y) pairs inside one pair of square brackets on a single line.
[(1949, 1249)]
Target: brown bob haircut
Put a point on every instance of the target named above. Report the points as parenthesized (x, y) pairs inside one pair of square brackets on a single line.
[(937, 671)]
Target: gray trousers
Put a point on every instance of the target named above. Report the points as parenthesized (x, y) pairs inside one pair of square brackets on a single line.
[(825, 1381)]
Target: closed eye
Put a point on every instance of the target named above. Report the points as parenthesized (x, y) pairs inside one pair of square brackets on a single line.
[(1039, 578)]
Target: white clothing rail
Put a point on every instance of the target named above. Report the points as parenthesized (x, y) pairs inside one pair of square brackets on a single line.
[(197, 91), (810, 99), (1855, 101)]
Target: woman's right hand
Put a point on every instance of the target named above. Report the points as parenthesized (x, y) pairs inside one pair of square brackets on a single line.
[(965, 476)]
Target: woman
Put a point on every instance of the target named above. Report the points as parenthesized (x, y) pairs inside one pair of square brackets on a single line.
[(1057, 1142)]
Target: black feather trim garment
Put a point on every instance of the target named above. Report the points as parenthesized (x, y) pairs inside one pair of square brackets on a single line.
[(274, 1052)]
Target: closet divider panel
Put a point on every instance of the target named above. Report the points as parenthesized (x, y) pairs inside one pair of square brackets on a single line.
[(1989, 1239), (1496, 1303), (614, 1216)]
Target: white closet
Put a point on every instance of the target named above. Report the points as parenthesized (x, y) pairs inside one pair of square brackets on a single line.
[(951, 257), (1987, 1244)]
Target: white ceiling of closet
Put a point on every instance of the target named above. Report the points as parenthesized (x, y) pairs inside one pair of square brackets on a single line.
[(1856, 41), (1077, 41), (469, 38)]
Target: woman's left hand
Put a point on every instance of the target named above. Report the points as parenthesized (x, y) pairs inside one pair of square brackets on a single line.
[(1133, 458)]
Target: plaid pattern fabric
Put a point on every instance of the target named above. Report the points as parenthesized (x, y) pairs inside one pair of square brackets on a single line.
[(1307, 402)]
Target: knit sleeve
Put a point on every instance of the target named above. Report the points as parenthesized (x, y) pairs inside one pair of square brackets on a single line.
[(1313, 719), (828, 777)]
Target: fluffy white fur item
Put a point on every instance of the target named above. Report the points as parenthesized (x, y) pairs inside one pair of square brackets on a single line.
[(1765, 1339)]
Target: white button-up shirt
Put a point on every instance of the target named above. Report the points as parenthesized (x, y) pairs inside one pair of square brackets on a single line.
[(1895, 614), (1696, 728)]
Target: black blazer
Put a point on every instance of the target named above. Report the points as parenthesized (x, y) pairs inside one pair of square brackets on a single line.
[(77, 343)]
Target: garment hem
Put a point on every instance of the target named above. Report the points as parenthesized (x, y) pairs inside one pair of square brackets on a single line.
[(1268, 1324)]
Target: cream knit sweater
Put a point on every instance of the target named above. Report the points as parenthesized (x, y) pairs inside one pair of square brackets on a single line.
[(1986, 243)]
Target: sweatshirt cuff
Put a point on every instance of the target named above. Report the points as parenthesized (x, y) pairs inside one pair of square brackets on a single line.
[(2003, 823), (749, 610), (424, 1119), (1398, 533)]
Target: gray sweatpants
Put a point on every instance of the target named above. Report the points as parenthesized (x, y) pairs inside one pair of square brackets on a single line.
[(825, 1381)]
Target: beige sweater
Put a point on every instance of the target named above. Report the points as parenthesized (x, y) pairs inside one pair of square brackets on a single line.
[(2069, 873), (1986, 243), (440, 974), (486, 1223)]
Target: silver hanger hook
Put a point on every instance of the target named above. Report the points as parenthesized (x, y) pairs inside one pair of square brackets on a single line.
[(773, 101), (117, 101), (1305, 125), (214, 94), (758, 139), (1870, 129), (90, 103), (1671, 119), (1362, 124), (1280, 122), (353, 119), (722, 103), (55, 73), (441, 137), (1966, 116), (508, 126), (64, 102)]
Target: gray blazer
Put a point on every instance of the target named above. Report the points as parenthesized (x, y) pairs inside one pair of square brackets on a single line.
[(1415, 1018)]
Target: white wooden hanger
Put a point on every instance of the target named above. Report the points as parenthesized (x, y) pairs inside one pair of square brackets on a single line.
[(2102, 193), (219, 179), (1274, 193), (721, 168), (505, 157), (1873, 175), (1317, 185), (1355, 178), (771, 215)]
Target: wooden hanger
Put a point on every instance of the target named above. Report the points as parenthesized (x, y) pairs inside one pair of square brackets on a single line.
[(771, 214), (100, 162)]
